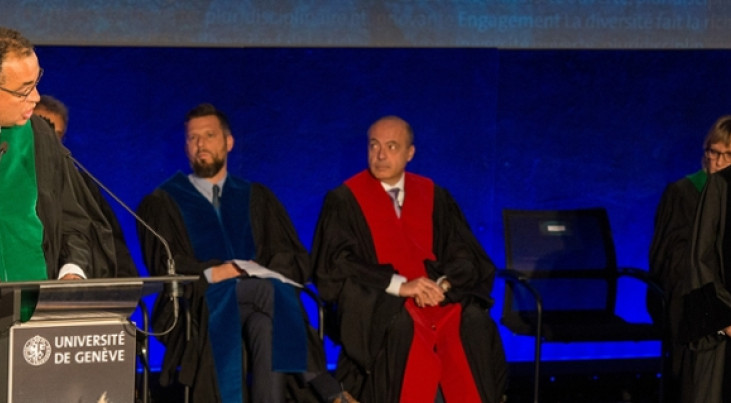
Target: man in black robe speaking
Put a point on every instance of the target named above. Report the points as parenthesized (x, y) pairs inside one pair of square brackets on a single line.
[(396, 258), (44, 231), (238, 237)]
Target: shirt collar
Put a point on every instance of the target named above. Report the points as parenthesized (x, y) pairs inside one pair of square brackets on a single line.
[(399, 185), (205, 187)]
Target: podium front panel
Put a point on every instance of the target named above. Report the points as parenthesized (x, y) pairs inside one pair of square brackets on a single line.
[(72, 361)]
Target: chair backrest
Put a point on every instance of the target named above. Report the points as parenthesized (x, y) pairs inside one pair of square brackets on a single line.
[(567, 255)]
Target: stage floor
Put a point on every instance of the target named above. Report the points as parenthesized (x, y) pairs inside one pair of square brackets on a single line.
[(586, 381)]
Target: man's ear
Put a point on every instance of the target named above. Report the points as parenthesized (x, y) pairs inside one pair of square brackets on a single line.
[(229, 142)]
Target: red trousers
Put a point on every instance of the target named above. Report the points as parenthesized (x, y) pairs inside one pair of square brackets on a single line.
[(437, 358)]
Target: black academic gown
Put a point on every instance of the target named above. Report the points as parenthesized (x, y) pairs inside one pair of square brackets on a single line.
[(669, 265), (277, 248), (372, 326), (70, 235), (707, 300), (125, 265)]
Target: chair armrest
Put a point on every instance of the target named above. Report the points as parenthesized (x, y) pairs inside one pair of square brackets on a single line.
[(516, 278), (320, 309), (646, 278)]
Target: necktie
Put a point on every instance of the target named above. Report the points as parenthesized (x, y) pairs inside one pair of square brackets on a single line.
[(394, 196), (216, 197)]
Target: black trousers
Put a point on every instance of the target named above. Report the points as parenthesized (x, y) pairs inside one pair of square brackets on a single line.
[(256, 309)]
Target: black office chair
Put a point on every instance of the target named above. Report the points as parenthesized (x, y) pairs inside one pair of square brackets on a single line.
[(561, 280)]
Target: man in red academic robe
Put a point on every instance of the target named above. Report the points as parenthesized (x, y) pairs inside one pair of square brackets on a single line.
[(395, 257)]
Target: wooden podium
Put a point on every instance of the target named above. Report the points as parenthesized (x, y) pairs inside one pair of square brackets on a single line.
[(78, 346)]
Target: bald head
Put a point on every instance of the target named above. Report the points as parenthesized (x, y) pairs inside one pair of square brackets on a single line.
[(390, 148), (393, 122)]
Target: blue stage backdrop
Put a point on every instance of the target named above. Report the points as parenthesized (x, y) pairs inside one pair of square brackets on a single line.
[(498, 128)]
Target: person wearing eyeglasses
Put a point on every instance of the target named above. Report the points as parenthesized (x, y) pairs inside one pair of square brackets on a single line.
[(671, 260), (44, 232)]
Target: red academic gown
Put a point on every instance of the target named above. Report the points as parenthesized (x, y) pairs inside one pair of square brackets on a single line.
[(388, 342), (406, 242)]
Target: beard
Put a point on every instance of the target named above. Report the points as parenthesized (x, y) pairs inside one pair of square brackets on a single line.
[(207, 170)]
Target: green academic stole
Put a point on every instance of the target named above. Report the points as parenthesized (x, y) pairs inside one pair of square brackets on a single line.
[(21, 231), (698, 179)]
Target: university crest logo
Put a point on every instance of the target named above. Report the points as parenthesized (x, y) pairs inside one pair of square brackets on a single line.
[(37, 351)]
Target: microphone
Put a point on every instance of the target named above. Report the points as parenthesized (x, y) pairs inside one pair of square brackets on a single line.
[(3, 149), (174, 287)]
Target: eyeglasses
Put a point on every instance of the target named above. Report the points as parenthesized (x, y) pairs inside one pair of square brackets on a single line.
[(25, 94), (712, 154)]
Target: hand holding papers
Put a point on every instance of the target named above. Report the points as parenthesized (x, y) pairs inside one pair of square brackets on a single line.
[(253, 269)]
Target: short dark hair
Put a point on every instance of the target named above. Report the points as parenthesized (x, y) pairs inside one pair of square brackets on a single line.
[(209, 110), (12, 41), (53, 105)]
